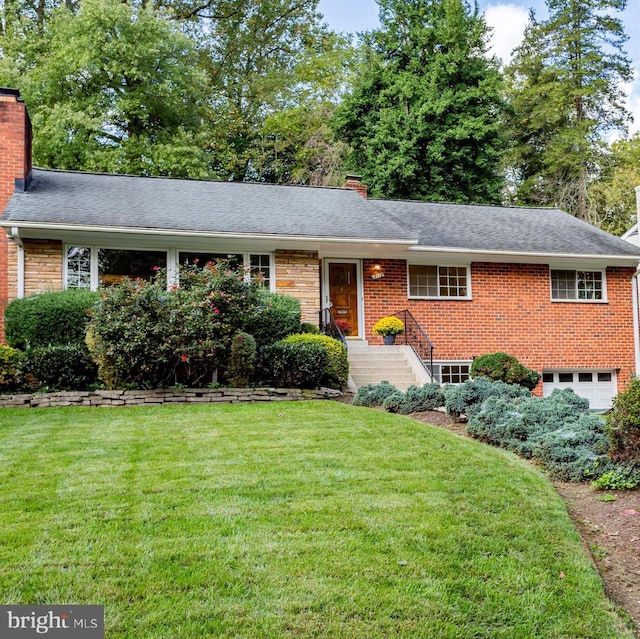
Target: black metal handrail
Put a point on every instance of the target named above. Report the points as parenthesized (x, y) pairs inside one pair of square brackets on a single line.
[(328, 326), (415, 337)]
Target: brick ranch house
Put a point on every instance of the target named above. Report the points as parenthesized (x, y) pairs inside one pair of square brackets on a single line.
[(539, 284)]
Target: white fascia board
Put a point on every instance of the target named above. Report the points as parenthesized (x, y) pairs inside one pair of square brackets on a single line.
[(555, 259), (78, 228)]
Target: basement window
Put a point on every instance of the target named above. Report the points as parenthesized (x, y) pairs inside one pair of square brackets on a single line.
[(451, 372)]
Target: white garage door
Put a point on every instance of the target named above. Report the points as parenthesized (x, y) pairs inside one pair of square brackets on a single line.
[(599, 387)]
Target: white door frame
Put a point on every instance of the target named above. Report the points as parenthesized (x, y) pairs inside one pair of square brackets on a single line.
[(360, 289)]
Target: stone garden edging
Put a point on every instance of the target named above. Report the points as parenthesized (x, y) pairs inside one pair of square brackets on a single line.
[(163, 396)]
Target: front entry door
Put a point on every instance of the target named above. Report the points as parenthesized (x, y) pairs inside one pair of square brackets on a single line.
[(343, 293)]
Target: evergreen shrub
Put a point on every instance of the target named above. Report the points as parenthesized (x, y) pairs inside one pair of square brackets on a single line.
[(59, 317), (243, 359), (275, 317), (336, 372), (505, 368), (463, 399), (394, 403), (61, 367), (11, 370), (373, 395), (294, 364)]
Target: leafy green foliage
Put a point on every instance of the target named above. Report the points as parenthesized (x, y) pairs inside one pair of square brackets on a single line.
[(60, 367), (506, 368), (566, 83), (336, 372), (374, 395), (278, 317), (144, 335), (294, 364), (49, 318), (11, 369), (624, 425), (425, 115), (619, 478), (243, 359)]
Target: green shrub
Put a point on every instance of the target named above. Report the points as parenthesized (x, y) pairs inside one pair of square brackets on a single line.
[(555, 430), (243, 359), (276, 316), (393, 403), (505, 368), (294, 364), (49, 318), (336, 372), (619, 478), (306, 327), (143, 335), (463, 399), (624, 426), (418, 399), (61, 367), (11, 370), (373, 395)]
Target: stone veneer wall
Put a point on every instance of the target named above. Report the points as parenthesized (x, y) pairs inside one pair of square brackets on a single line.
[(163, 396), (42, 267), (298, 275)]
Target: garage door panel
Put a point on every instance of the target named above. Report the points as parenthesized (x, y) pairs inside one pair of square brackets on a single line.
[(599, 387)]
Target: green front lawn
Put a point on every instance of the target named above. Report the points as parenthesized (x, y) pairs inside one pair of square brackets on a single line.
[(282, 520)]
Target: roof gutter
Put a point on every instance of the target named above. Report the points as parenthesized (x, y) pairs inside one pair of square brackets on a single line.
[(187, 233), (525, 255)]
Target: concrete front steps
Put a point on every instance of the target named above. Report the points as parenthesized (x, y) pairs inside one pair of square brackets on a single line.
[(399, 365)]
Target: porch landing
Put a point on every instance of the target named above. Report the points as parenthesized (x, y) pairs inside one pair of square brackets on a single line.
[(398, 365)]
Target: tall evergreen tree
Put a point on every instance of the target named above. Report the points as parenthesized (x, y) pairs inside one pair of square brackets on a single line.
[(425, 116), (566, 93)]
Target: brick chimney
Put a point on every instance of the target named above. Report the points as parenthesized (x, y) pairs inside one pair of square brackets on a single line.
[(15, 145), (15, 174), (355, 182)]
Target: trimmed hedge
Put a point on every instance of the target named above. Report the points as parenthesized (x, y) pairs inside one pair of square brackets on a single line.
[(39, 320), (294, 365), (275, 317), (336, 371), (61, 367)]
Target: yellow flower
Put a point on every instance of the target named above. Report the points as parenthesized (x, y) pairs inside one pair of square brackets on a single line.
[(389, 326)]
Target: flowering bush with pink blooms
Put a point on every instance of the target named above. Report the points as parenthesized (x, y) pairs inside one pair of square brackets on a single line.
[(145, 335)]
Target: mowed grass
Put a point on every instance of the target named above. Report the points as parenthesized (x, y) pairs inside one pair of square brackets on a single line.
[(303, 519)]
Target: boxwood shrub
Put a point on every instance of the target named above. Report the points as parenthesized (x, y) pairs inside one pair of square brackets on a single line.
[(293, 364), (336, 371), (59, 317), (60, 367), (275, 316), (505, 368)]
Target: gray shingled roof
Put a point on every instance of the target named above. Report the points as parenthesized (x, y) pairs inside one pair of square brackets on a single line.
[(502, 229), (87, 200), (91, 200)]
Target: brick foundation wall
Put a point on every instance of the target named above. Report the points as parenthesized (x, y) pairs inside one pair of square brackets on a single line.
[(511, 311), (298, 275)]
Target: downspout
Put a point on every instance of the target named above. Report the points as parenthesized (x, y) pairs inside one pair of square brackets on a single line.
[(636, 319), (15, 236)]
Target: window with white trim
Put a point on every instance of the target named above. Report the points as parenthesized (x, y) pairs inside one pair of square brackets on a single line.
[(578, 286), (429, 281), (451, 372)]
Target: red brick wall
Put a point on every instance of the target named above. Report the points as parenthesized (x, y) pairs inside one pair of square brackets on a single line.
[(15, 162), (511, 311)]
